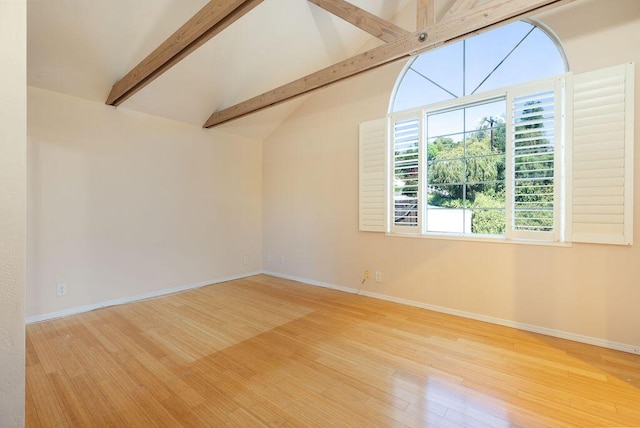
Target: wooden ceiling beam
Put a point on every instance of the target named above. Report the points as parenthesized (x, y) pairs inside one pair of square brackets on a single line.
[(378, 27), (214, 17), (426, 14), (461, 5), (487, 15)]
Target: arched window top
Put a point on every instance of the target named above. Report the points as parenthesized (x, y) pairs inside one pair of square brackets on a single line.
[(512, 54)]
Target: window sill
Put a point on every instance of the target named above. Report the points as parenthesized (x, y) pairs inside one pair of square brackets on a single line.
[(482, 238)]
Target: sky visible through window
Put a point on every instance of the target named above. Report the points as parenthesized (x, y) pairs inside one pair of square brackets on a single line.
[(512, 54)]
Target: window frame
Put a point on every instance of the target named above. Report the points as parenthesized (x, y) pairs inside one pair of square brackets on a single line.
[(478, 99), (558, 82)]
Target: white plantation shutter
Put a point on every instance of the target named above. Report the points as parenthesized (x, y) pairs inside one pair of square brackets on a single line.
[(406, 137), (569, 162), (373, 176), (602, 182), (534, 167)]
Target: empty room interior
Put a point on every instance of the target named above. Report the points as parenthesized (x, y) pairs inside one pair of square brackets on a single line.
[(319, 213)]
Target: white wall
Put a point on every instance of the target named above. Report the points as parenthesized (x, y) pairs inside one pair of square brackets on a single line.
[(13, 142), (121, 203), (310, 205)]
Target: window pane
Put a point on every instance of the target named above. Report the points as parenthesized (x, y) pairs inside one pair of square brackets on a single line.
[(487, 202), (476, 115), (487, 121), (486, 51), (446, 214), (486, 195), (416, 91), (443, 148), (443, 66), (446, 123), (488, 221), (537, 57), (485, 169), (448, 220), (444, 172)]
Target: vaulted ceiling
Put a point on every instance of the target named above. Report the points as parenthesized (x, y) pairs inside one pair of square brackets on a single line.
[(81, 48)]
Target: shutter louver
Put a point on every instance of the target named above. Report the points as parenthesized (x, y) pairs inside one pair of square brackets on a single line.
[(373, 176), (406, 173), (602, 182), (534, 171)]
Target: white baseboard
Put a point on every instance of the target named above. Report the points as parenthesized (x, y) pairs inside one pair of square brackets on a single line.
[(130, 299), (312, 282), (633, 349)]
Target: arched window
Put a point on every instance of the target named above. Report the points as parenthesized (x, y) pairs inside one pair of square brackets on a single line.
[(512, 54), (451, 170)]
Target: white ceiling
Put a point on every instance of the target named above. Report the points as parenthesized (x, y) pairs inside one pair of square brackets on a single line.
[(82, 47)]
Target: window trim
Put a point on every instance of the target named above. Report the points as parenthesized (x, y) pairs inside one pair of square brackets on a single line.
[(492, 239)]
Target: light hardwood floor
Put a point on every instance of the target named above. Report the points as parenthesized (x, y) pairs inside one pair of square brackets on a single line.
[(267, 351)]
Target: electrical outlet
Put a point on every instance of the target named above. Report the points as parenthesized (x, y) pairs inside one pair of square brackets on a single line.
[(281, 260), (378, 276), (268, 258), (61, 289), (245, 260)]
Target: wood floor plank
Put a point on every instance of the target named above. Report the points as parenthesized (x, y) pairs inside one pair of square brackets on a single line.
[(102, 410), (265, 351), (42, 395), (70, 397), (190, 416), (45, 351), (31, 411)]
